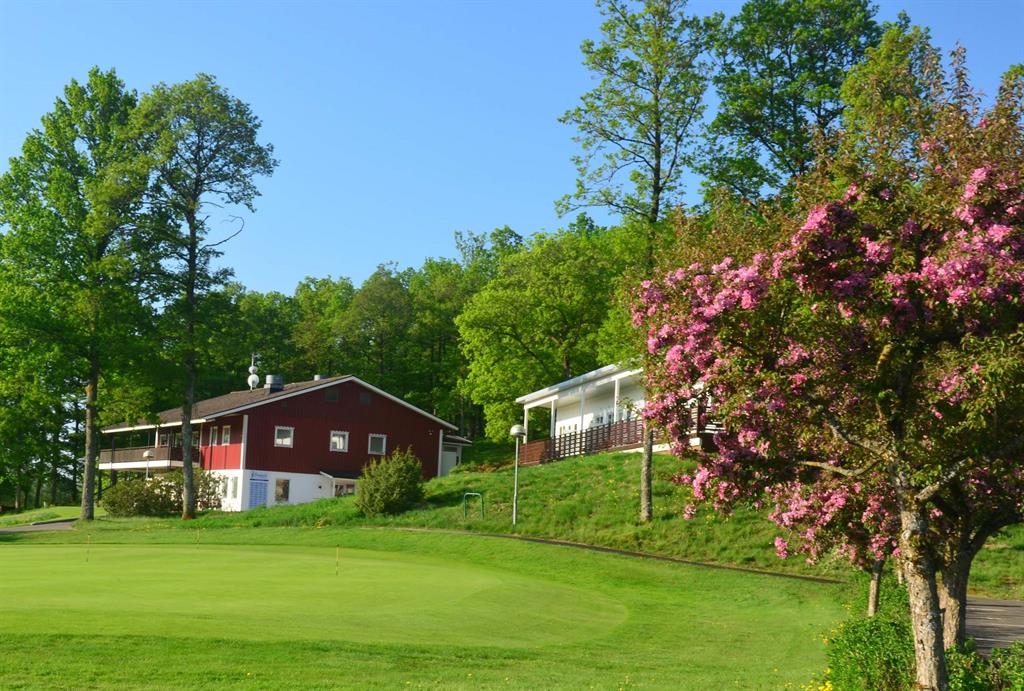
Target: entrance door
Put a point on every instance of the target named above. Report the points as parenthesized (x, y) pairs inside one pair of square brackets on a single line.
[(449, 459)]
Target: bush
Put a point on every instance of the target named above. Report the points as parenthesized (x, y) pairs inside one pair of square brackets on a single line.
[(878, 653), (872, 654), (160, 495), (1003, 670), (391, 485)]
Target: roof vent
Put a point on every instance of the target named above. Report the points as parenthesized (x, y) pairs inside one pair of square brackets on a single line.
[(275, 382), (317, 377)]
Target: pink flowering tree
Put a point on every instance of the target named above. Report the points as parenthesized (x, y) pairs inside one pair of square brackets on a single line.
[(868, 373)]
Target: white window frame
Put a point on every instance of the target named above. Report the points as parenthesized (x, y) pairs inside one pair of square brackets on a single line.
[(383, 445), (225, 435), (344, 441), (213, 435), (279, 442)]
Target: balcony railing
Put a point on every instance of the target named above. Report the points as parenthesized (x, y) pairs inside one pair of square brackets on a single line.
[(624, 434), (131, 454)]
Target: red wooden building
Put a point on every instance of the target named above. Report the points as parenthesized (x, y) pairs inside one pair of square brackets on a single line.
[(288, 443)]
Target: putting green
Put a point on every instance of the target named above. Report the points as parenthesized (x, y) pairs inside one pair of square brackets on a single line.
[(288, 593)]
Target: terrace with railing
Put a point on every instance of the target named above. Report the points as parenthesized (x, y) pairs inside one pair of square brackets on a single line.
[(625, 434)]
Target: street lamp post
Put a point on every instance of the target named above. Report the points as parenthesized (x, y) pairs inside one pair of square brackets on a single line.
[(519, 432)]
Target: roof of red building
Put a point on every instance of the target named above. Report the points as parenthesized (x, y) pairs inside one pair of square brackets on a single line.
[(238, 401)]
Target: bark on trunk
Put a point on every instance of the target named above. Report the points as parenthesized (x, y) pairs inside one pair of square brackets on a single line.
[(646, 463), (92, 445), (188, 490), (953, 599), (875, 588), (926, 619)]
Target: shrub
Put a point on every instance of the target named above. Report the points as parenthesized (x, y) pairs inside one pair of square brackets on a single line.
[(1003, 670), (872, 654), (160, 495), (391, 485)]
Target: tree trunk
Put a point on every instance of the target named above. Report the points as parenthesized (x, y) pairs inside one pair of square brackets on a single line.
[(953, 598), (926, 619), (92, 444), (875, 588), (53, 477), (646, 463), (188, 490)]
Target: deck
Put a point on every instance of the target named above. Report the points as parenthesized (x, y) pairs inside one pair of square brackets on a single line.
[(625, 434)]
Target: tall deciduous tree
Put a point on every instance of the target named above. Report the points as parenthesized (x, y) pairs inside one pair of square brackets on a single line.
[(78, 254), (205, 149), (874, 359), (641, 122), (376, 328), (637, 128), (537, 321), (783, 63)]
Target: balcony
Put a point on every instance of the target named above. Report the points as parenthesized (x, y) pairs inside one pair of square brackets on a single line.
[(625, 434), (141, 458)]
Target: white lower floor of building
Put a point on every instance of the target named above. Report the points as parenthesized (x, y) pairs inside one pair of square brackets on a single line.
[(249, 489)]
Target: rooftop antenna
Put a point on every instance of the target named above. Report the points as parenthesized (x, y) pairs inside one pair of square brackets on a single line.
[(254, 379)]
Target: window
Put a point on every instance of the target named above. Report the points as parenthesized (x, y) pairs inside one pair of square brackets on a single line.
[(339, 441), (163, 439), (281, 490), (225, 434), (284, 436), (331, 395), (213, 436), (344, 487), (378, 445)]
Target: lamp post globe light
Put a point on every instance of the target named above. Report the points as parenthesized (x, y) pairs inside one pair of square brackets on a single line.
[(519, 432)]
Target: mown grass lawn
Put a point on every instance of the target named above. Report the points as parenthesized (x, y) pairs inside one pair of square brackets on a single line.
[(137, 605)]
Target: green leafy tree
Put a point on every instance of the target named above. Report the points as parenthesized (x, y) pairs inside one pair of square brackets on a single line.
[(641, 121), (783, 63), (320, 304), (376, 329), (203, 143), (537, 321), (79, 253), (438, 294)]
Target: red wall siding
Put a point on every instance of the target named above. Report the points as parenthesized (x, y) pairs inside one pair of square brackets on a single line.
[(358, 411), (222, 456)]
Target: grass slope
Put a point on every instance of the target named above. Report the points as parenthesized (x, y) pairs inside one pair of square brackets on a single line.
[(595, 500)]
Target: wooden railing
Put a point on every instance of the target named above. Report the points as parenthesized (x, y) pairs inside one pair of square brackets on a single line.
[(135, 453), (615, 435)]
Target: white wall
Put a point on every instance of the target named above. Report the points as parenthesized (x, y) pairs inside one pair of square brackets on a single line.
[(302, 488), (599, 408)]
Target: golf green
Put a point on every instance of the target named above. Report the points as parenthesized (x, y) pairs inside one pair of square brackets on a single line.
[(268, 593)]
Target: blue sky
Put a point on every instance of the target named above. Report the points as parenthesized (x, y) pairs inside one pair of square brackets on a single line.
[(396, 122)]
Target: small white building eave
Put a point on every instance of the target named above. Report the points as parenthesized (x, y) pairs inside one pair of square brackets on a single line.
[(573, 387)]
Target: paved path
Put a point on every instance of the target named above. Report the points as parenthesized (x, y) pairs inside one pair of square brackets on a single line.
[(64, 524), (994, 623)]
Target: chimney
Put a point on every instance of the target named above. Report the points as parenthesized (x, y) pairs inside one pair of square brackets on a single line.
[(317, 377), (275, 382)]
